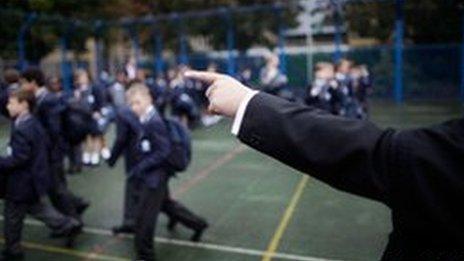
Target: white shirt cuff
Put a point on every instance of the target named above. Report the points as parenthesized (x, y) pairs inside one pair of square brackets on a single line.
[(241, 112)]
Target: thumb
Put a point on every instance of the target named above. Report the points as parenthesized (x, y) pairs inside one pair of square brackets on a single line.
[(206, 77)]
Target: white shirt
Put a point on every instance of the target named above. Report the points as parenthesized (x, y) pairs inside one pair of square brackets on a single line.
[(148, 114), (241, 112)]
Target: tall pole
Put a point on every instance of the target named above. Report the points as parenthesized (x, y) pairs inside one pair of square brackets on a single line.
[(309, 43), (65, 70), (338, 30), (158, 51), (462, 53), (230, 43), (281, 41), (399, 35), (134, 37), (30, 18), (183, 58), (98, 50)]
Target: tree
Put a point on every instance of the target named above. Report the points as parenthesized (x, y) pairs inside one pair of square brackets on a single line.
[(44, 34), (426, 21)]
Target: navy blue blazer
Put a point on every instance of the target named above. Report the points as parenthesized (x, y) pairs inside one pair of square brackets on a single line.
[(27, 164), (145, 146), (49, 112), (153, 148), (127, 125)]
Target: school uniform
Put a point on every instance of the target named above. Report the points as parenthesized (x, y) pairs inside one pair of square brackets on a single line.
[(27, 184), (116, 94), (152, 148), (49, 112), (127, 126)]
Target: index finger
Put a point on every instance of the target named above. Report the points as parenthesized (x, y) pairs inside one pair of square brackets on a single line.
[(207, 77)]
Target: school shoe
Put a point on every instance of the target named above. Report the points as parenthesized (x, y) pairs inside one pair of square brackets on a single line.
[(7, 256), (86, 158), (95, 159), (196, 237), (123, 229), (105, 153), (82, 207), (172, 224), (72, 234)]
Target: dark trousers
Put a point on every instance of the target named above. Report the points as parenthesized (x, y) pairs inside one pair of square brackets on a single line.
[(75, 156), (131, 200), (173, 209), (179, 213), (146, 217), (15, 214), (60, 196)]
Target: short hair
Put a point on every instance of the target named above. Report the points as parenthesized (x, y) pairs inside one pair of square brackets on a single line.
[(342, 61), (34, 74), (138, 89), (322, 65), (23, 95), (11, 76)]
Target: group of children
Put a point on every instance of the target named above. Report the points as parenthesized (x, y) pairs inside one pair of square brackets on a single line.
[(48, 123), (341, 89)]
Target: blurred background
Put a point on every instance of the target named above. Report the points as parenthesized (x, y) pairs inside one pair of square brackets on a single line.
[(406, 60)]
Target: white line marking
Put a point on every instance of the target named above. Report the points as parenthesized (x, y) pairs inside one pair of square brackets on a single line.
[(177, 242)]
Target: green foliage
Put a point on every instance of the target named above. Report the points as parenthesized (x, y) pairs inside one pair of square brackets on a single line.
[(54, 17), (426, 21)]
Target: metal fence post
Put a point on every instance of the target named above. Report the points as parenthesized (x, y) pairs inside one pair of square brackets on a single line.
[(30, 18), (399, 34)]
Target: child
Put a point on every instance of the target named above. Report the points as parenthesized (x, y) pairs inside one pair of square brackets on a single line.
[(49, 112), (28, 177), (147, 148), (91, 99), (127, 127)]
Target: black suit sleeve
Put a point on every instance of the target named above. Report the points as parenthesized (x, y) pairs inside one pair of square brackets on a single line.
[(351, 155), (21, 152)]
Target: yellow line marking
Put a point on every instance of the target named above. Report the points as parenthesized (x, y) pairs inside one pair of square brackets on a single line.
[(70, 252), (274, 244)]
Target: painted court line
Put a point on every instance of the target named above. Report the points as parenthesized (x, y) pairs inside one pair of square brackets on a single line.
[(208, 170), (99, 249), (274, 244), (168, 241), (69, 252)]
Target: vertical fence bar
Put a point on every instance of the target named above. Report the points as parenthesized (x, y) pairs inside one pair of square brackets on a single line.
[(230, 43), (134, 37), (22, 40), (65, 72), (399, 34), (183, 57), (158, 51), (98, 50), (281, 41), (462, 54), (338, 31)]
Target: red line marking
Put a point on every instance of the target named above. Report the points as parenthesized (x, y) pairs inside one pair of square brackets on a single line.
[(210, 168)]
